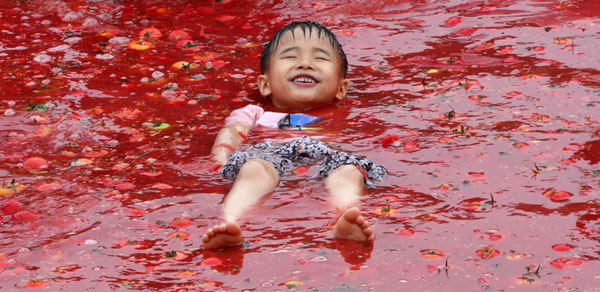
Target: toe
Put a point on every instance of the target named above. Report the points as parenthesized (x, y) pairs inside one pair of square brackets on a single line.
[(352, 214), (360, 220), (232, 228)]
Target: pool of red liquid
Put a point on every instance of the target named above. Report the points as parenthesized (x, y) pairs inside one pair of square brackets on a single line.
[(484, 113)]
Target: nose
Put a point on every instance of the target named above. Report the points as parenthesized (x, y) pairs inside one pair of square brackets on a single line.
[(304, 63)]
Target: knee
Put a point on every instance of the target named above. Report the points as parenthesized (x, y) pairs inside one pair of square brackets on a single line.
[(261, 168), (347, 170), (345, 174), (347, 177)]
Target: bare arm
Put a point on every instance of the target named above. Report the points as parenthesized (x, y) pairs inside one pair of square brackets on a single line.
[(228, 139)]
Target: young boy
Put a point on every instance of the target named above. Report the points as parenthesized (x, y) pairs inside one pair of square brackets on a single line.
[(303, 66)]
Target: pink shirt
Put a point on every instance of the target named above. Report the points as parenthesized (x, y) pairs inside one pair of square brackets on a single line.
[(254, 115)]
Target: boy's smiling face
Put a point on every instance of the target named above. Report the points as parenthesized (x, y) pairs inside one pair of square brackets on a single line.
[(303, 72)]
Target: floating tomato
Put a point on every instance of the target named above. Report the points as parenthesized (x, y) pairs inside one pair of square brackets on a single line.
[(212, 261), (135, 212), (175, 255), (11, 207), (186, 273), (384, 211), (466, 31), (562, 247), (487, 253), (519, 144), (179, 235), (179, 35), (292, 284), (506, 50), (387, 140), (95, 154), (494, 237), (125, 186), (246, 26), (225, 18), (217, 64), (104, 47), (562, 263), (204, 56), (183, 65), (432, 253), (563, 40), (184, 44), (445, 139), (483, 46), (477, 97), (24, 216), (477, 174), (557, 195), (181, 222), (301, 170), (510, 60), (107, 32), (404, 232), (35, 163), (139, 45), (411, 146), (390, 198), (10, 188), (161, 186), (34, 283), (347, 32), (452, 21), (151, 173), (150, 33)]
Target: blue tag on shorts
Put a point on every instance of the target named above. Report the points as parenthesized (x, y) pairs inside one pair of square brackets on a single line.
[(296, 120)]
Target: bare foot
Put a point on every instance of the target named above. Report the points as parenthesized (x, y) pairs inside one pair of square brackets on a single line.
[(353, 226), (225, 234)]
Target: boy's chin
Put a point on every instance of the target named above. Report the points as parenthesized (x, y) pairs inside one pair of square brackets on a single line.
[(300, 105)]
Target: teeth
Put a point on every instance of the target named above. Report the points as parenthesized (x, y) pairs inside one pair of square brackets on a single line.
[(304, 80)]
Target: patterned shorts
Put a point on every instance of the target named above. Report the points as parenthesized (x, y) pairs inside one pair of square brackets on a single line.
[(284, 157)]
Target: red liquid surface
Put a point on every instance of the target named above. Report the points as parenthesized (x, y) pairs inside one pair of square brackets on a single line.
[(485, 114)]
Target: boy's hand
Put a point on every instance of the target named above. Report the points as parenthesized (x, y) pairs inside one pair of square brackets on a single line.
[(215, 167), (221, 155)]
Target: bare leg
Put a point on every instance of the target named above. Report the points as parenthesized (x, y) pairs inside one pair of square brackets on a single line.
[(345, 184), (255, 179)]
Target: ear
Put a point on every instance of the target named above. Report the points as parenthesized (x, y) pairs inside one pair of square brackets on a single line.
[(263, 85), (342, 89)]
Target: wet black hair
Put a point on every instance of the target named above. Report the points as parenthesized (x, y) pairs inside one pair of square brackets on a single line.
[(271, 46)]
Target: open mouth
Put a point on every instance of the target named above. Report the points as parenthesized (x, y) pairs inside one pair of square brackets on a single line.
[(305, 80)]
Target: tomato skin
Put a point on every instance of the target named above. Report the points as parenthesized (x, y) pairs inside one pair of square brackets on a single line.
[(24, 216), (557, 195), (187, 45), (179, 35), (561, 247), (139, 45), (11, 207), (452, 21), (150, 33), (35, 163)]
